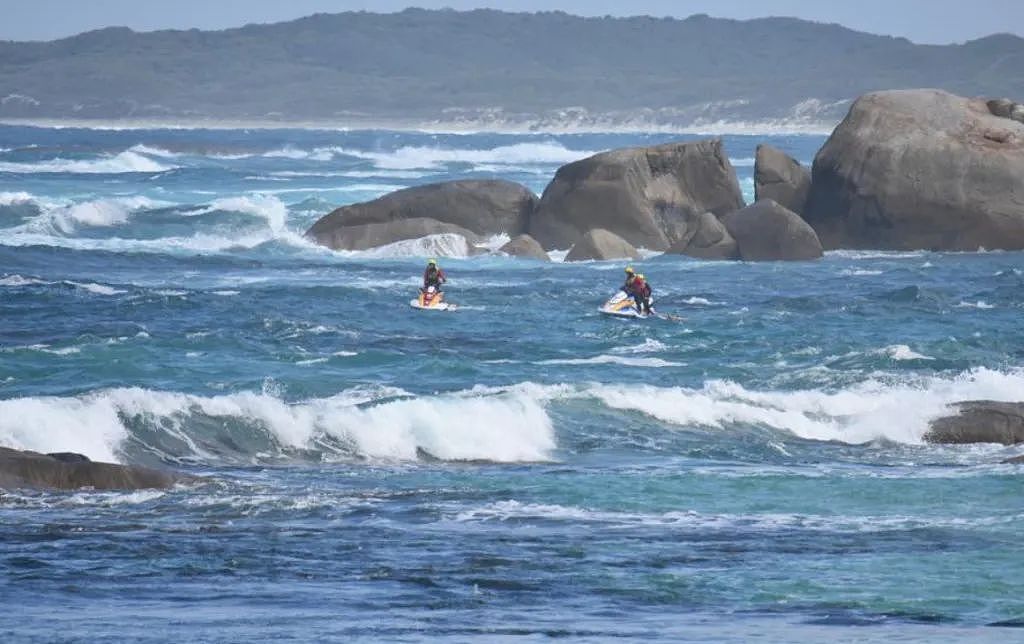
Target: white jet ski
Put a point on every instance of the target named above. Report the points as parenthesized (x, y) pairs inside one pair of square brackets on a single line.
[(431, 299), (622, 305)]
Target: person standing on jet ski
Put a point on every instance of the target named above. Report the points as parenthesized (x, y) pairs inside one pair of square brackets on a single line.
[(637, 286), (433, 276)]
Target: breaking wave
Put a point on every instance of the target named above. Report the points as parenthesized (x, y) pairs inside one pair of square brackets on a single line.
[(432, 158), (125, 162), (375, 423), (501, 424)]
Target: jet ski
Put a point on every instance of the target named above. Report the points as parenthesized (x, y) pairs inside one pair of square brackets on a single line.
[(431, 299), (622, 305)]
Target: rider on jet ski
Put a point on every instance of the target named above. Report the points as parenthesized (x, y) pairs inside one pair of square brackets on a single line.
[(433, 276), (637, 286)]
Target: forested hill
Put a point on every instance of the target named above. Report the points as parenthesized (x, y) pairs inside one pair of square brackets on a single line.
[(446, 65)]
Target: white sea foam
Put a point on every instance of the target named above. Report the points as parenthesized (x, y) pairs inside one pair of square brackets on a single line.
[(127, 161), (874, 409), (15, 198), (64, 219), (443, 245), (490, 423), (698, 301), (649, 345), (859, 272), (152, 151), (18, 280), (511, 510), (980, 304), (432, 158), (98, 289), (267, 207), (613, 359), (902, 352), (501, 427)]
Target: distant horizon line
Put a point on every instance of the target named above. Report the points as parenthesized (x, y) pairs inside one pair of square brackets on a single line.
[(413, 9)]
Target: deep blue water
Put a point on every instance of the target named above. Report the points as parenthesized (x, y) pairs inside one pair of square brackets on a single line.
[(520, 469)]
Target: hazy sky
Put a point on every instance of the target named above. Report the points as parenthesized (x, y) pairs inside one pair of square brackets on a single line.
[(930, 21)]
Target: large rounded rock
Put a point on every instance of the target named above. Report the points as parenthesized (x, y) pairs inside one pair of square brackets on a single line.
[(980, 421), (366, 236), (68, 471), (601, 244), (648, 196), (526, 247), (766, 231), (920, 169), (781, 178), (1001, 107), (484, 207), (711, 240)]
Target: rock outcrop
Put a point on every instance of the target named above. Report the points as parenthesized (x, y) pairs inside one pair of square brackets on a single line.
[(765, 231), (980, 421), (366, 236), (710, 240), (482, 207), (920, 169), (781, 178), (601, 244), (1007, 109), (68, 471), (526, 247), (650, 197)]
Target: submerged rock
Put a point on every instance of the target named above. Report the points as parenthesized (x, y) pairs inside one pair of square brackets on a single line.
[(601, 244), (484, 207), (765, 231), (920, 169), (68, 471), (781, 178), (525, 246), (710, 240), (366, 236), (651, 197), (980, 421)]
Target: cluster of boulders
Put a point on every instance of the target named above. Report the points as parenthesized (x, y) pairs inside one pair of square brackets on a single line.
[(1007, 109), (912, 169), (69, 471)]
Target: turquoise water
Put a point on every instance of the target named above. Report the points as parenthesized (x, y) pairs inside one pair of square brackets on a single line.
[(520, 469)]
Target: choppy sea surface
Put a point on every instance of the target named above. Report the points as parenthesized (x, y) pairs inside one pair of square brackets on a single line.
[(521, 469)]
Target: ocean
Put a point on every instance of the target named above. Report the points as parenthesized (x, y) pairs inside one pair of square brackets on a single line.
[(523, 469)]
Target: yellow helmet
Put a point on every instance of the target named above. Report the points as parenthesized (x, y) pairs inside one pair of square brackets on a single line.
[(641, 277), (629, 270), (432, 262)]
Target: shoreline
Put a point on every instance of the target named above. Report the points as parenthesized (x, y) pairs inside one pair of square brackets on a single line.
[(779, 127)]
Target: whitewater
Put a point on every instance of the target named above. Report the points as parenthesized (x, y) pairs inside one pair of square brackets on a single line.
[(523, 468)]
